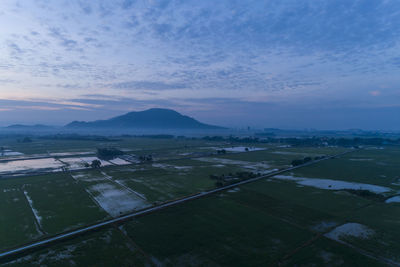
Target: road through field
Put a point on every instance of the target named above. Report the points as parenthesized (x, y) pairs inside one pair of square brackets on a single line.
[(52, 240)]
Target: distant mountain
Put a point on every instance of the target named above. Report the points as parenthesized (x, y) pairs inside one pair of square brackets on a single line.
[(155, 118), (27, 127)]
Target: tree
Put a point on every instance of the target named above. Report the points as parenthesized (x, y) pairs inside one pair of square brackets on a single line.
[(146, 158), (96, 164), (108, 153), (221, 151), (297, 162)]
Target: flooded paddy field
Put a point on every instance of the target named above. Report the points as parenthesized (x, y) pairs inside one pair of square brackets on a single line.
[(280, 214), (110, 194), (235, 228), (34, 207), (278, 157), (371, 174), (165, 181), (18, 167), (9, 153), (30, 165), (45, 146), (371, 166)]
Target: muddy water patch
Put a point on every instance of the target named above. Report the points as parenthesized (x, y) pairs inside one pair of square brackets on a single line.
[(218, 166), (79, 163), (395, 199), (31, 165), (74, 163), (243, 149), (64, 154), (184, 168), (323, 226), (88, 177), (360, 159), (161, 165), (333, 184), (119, 161), (35, 212), (38, 218), (290, 153), (233, 190), (253, 166), (122, 184), (9, 153), (350, 230), (116, 200)]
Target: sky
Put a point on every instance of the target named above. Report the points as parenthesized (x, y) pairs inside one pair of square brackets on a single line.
[(296, 64)]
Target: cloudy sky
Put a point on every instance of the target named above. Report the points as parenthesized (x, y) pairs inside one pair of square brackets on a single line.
[(264, 63)]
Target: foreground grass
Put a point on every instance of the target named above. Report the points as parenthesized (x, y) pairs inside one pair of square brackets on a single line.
[(256, 226), (109, 247), (373, 166), (61, 203), (17, 223), (264, 223)]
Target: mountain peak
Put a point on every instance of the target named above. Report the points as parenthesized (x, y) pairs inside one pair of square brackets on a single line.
[(154, 118)]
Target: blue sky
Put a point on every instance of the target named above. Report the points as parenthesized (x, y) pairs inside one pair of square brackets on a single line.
[(273, 63)]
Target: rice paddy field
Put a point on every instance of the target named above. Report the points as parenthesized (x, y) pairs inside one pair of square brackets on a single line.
[(339, 211)]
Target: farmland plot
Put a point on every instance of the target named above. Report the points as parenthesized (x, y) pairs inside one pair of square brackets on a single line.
[(27, 166), (17, 222), (115, 199), (110, 194), (61, 203)]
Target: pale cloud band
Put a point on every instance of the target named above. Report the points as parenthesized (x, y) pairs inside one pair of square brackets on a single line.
[(205, 58)]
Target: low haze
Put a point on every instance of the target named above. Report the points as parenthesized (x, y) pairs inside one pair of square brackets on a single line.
[(289, 64)]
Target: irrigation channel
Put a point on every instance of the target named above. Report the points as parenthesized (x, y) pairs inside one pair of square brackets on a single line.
[(9, 254)]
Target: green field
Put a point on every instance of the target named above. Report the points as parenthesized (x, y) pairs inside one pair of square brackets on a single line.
[(61, 203), (250, 227), (285, 220)]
